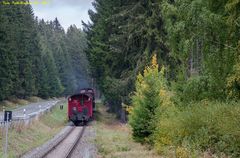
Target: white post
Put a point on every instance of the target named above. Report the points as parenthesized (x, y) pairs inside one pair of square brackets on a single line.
[(24, 113), (3, 127)]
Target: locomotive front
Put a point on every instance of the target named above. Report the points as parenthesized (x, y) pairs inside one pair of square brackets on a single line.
[(80, 108)]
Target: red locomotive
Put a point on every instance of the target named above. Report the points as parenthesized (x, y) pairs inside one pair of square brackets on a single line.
[(90, 92), (80, 106)]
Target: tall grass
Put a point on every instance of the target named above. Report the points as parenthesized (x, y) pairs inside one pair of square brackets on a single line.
[(202, 126), (113, 139)]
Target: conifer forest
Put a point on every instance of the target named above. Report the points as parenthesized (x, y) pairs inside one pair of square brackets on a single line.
[(38, 58), (173, 66)]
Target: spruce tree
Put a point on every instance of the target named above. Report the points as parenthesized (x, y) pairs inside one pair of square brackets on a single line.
[(146, 100), (8, 60)]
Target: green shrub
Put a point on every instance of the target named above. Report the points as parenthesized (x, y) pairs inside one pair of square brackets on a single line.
[(145, 100), (195, 89), (203, 126)]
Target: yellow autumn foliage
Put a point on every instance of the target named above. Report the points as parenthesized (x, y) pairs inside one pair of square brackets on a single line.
[(127, 108), (151, 92)]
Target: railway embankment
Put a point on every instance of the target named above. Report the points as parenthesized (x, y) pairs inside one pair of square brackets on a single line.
[(113, 139)]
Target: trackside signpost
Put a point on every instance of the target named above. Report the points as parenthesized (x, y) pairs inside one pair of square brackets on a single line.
[(7, 118)]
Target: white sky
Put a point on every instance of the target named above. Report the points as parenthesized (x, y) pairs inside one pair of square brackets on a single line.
[(67, 11)]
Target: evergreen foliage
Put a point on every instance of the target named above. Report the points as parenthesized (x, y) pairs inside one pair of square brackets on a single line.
[(197, 42), (191, 38), (37, 57), (146, 100), (197, 29), (121, 39)]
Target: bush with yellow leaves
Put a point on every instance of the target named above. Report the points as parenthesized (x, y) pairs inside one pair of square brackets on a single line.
[(146, 99)]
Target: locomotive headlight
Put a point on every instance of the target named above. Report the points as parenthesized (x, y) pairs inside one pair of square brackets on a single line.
[(75, 108), (69, 99)]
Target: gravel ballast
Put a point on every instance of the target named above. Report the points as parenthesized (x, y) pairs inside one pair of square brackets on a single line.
[(42, 150)]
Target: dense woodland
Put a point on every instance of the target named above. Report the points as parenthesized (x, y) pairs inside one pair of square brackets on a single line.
[(196, 41), (37, 57), (174, 65), (186, 101)]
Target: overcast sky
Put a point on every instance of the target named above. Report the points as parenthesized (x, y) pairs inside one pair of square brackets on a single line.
[(67, 11)]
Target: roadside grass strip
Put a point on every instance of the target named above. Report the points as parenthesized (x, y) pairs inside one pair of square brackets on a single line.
[(22, 138)]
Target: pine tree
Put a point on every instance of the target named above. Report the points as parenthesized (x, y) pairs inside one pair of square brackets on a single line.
[(121, 41), (8, 60), (50, 84), (35, 57), (26, 79)]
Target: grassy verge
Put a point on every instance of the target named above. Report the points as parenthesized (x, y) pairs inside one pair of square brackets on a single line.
[(23, 138), (113, 139)]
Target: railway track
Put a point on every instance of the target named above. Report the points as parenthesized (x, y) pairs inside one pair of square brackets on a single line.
[(67, 145)]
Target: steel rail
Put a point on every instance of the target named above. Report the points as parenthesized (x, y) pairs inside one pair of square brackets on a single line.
[(76, 142), (58, 143)]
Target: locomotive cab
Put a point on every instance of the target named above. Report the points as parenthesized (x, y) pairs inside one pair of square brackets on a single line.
[(80, 108), (90, 92)]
